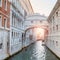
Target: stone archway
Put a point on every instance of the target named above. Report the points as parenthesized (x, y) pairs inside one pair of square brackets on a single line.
[(45, 28)]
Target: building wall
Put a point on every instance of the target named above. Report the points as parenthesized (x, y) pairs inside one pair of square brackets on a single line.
[(17, 14), (5, 13), (12, 14), (16, 20), (53, 41), (27, 7), (4, 28)]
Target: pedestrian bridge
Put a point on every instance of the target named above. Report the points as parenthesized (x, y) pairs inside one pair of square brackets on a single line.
[(32, 33), (32, 27)]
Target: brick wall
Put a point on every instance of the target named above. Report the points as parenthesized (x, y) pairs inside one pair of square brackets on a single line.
[(5, 13)]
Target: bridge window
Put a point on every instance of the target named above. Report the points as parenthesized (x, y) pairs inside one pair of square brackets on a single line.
[(31, 21), (40, 21)]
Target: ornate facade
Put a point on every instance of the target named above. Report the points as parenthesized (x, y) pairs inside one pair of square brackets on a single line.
[(53, 41)]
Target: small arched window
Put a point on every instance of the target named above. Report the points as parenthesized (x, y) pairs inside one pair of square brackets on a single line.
[(56, 13)]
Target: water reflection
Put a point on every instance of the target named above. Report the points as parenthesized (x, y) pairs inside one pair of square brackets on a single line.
[(35, 52), (38, 51)]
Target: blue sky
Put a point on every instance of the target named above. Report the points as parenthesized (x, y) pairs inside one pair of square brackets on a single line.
[(43, 6)]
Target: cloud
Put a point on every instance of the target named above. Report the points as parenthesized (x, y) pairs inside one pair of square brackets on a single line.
[(43, 6)]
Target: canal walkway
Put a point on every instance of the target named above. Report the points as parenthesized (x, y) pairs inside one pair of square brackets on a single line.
[(35, 52)]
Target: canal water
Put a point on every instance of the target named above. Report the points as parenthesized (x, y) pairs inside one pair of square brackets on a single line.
[(35, 52)]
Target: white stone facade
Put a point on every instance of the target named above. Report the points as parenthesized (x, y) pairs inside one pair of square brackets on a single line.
[(53, 41), (16, 20), (11, 29), (4, 37)]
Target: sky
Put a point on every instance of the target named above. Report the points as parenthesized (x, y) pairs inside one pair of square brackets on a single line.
[(44, 7)]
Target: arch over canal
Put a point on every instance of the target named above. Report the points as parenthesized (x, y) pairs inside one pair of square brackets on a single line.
[(43, 27)]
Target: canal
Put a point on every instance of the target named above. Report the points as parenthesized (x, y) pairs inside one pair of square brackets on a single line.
[(35, 52)]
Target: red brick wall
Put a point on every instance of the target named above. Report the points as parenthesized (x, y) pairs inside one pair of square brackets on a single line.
[(5, 13)]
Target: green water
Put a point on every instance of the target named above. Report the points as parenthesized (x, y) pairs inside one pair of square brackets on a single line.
[(35, 52)]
